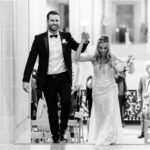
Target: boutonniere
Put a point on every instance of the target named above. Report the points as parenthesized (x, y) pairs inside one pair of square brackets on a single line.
[(64, 42)]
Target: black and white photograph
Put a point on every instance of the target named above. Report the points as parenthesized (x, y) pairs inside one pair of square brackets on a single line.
[(74, 74)]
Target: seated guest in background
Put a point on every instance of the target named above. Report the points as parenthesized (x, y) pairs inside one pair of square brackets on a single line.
[(89, 99), (144, 96), (89, 93), (34, 98), (76, 99), (122, 89), (76, 85)]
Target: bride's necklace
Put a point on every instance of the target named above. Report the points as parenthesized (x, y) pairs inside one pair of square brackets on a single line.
[(102, 66)]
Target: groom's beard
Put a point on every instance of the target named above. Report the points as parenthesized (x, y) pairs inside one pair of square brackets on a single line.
[(53, 28)]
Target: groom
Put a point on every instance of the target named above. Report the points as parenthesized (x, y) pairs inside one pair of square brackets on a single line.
[(54, 74)]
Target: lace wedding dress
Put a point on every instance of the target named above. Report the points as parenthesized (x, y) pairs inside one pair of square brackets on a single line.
[(105, 122)]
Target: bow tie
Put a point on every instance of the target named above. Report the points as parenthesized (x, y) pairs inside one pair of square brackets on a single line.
[(53, 35)]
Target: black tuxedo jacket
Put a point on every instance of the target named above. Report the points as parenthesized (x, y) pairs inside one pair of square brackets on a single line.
[(40, 49)]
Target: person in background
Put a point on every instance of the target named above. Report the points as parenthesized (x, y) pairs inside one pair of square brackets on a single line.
[(144, 96), (34, 98), (54, 73), (89, 94), (122, 89), (89, 99)]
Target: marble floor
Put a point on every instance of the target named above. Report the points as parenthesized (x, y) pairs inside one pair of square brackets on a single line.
[(129, 142), (73, 147)]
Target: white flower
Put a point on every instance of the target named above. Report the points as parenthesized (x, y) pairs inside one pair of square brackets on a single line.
[(130, 65), (64, 41)]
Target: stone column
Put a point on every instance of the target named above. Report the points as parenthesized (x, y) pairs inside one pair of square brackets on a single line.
[(97, 16), (148, 21), (89, 20), (74, 18), (38, 10), (21, 48), (30, 20), (6, 71)]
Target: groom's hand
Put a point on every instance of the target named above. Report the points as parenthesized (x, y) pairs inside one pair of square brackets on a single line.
[(26, 86), (85, 36)]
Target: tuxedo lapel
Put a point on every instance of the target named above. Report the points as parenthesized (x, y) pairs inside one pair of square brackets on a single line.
[(61, 35), (61, 38), (46, 42)]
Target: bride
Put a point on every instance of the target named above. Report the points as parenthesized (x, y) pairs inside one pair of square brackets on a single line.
[(105, 121)]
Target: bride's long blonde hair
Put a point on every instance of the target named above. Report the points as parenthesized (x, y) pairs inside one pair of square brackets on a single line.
[(98, 55)]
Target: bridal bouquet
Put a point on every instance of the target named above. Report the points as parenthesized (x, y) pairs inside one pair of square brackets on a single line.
[(125, 65), (130, 64)]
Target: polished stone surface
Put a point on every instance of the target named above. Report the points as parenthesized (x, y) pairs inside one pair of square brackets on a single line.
[(73, 147), (129, 142)]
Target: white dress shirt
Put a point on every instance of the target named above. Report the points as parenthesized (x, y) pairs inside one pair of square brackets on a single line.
[(56, 59)]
